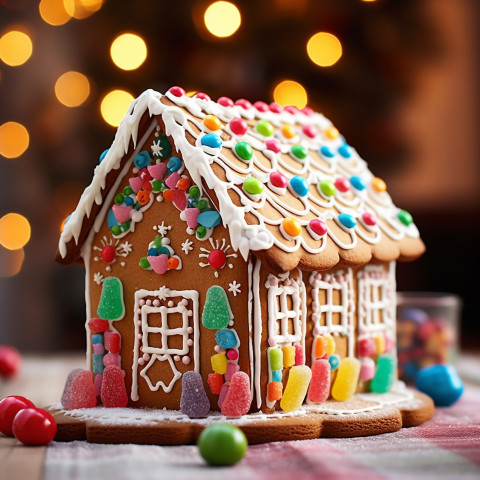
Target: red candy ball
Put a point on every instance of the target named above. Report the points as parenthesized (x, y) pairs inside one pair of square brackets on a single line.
[(34, 426), (225, 102), (245, 104), (202, 96), (177, 91), (261, 106), (273, 145), (10, 361), (369, 219), (342, 184), (309, 131), (278, 179), (108, 253), (275, 108), (318, 226), (308, 111), (9, 407), (292, 109), (217, 259), (238, 126), (232, 354)]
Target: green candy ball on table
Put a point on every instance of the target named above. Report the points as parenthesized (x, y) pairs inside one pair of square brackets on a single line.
[(222, 444)]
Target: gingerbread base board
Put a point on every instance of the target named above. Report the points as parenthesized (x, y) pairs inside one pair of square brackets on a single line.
[(363, 415)]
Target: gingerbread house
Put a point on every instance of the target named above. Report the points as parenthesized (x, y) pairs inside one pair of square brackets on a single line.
[(249, 244)]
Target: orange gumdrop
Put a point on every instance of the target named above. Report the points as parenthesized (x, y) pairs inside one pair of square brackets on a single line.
[(320, 347), (183, 184), (292, 226), (172, 263), (332, 133), (168, 195), (378, 185), (274, 391), (288, 131), (212, 122), (143, 197)]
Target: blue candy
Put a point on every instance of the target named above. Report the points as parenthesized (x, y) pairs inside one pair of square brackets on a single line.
[(442, 383), (174, 164), (97, 366), (357, 182), (152, 252), (97, 338), (112, 221), (345, 150), (277, 376), (209, 219), (211, 140), (300, 185), (347, 220), (103, 155), (334, 361), (225, 338), (326, 152), (142, 160), (128, 201)]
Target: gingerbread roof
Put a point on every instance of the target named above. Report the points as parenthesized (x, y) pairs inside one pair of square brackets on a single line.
[(286, 184)]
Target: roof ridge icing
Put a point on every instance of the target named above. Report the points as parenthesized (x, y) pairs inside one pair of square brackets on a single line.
[(289, 160)]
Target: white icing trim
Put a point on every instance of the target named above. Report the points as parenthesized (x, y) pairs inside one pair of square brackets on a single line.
[(257, 329)]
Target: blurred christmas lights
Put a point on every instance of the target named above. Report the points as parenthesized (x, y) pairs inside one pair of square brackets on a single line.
[(11, 262), (15, 48), (14, 139), (54, 12), (114, 106), (72, 89), (222, 19), (14, 231), (289, 92), (324, 49), (128, 51), (81, 9)]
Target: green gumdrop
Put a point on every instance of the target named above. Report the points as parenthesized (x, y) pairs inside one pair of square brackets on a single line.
[(202, 204), (275, 357), (194, 191), (158, 241), (222, 444), (216, 312), (116, 230), (327, 188), (128, 190), (144, 263), (119, 199), (300, 151), (201, 231), (405, 217), (253, 185), (384, 377), (111, 306), (265, 128), (157, 186)]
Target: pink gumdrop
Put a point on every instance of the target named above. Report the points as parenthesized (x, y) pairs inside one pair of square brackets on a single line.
[(273, 145), (112, 342), (369, 219), (231, 369), (202, 96), (121, 213), (191, 215), (222, 395), (83, 391), (98, 384), (98, 349), (310, 131), (225, 102), (158, 170), (238, 126), (159, 264), (319, 389), (232, 354), (275, 107), (367, 347), (389, 344), (136, 183), (111, 359), (177, 91), (113, 392), (238, 399), (299, 356), (245, 104), (367, 369), (172, 180), (67, 390), (318, 226), (278, 179), (342, 184), (261, 106)]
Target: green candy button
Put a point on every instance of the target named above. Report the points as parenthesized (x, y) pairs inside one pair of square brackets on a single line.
[(244, 151), (265, 128), (222, 444), (300, 152), (253, 186), (327, 188), (405, 217)]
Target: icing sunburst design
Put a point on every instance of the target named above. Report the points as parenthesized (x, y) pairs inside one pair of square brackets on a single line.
[(218, 256)]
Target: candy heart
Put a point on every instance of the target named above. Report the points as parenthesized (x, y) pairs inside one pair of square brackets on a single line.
[(159, 264), (157, 171), (135, 183), (121, 213)]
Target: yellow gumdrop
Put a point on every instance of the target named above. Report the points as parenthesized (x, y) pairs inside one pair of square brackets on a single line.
[(331, 346), (288, 131), (347, 379), (292, 226), (297, 385), (288, 356), (219, 363), (212, 122), (378, 185), (332, 133), (380, 343)]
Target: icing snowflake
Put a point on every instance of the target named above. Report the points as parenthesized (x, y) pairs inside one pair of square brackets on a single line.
[(163, 292), (156, 149), (98, 278), (162, 229), (187, 246), (234, 288), (126, 247)]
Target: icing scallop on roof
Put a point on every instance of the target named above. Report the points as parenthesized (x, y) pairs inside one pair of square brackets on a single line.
[(285, 182)]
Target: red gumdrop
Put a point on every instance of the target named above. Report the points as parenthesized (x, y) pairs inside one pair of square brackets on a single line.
[(114, 394), (108, 253), (319, 388), (244, 103), (113, 343), (309, 131), (292, 109), (275, 108), (215, 382), (202, 96), (225, 102), (299, 356), (9, 407), (232, 354), (342, 184), (98, 325), (238, 126), (10, 361), (369, 219), (261, 106), (83, 391), (34, 426), (177, 91), (217, 259), (238, 398), (367, 347), (67, 389), (308, 111), (278, 180)]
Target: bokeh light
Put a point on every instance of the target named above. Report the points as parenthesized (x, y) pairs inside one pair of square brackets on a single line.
[(15, 48), (222, 19), (114, 106), (324, 49), (14, 139), (72, 89), (128, 51), (11, 262), (54, 12), (80, 9), (289, 92), (14, 231)]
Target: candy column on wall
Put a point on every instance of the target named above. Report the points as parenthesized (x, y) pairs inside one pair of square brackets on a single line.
[(227, 381)]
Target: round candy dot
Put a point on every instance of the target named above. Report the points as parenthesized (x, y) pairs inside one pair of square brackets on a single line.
[(369, 219), (405, 217), (327, 188), (222, 444), (378, 185), (292, 227), (275, 108), (201, 231), (278, 179), (357, 182), (292, 109), (288, 131), (347, 220), (265, 128), (244, 151), (334, 361), (103, 155), (273, 145), (245, 104), (143, 197), (194, 191), (345, 150), (299, 185), (309, 131), (261, 106), (331, 133), (342, 184), (326, 152), (108, 253), (232, 354), (217, 259), (172, 263), (253, 186), (300, 152), (168, 195), (177, 91), (212, 122), (238, 126), (318, 226), (211, 140), (225, 102), (308, 111), (202, 96), (119, 198)]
